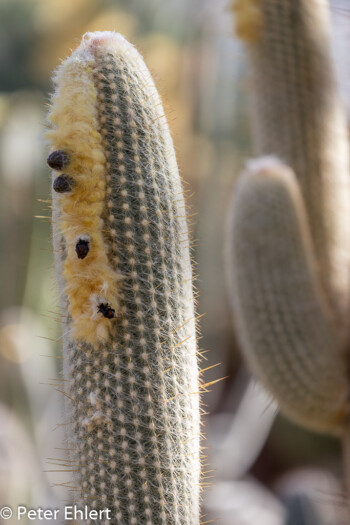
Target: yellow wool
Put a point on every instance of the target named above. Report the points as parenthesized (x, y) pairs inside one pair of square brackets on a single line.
[(90, 281), (248, 19)]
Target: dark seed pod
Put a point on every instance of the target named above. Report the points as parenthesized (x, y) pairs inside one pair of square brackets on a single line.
[(63, 183), (106, 310), (57, 160), (82, 248)]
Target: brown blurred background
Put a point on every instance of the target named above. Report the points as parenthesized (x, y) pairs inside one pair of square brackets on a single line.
[(266, 471)]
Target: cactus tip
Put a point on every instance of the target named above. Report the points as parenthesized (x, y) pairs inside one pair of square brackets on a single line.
[(248, 19)]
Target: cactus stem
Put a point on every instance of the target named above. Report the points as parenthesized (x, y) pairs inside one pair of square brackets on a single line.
[(281, 313), (124, 377)]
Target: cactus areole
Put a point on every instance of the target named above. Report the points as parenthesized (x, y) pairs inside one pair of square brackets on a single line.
[(125, 280)]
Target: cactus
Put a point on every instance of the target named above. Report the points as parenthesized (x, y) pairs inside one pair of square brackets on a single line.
[(281, 313), (122, 258), (290, 250), (297, 115)]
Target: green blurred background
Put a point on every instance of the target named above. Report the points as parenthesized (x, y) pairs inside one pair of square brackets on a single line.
[(263, 470)]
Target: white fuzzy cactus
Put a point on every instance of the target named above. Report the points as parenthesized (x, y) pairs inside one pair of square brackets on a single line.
[(122, 257), (290, 218)]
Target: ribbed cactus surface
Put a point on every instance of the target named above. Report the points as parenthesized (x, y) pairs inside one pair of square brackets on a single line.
[(122, 257), (290, 218), (297, 115), (280, 310)]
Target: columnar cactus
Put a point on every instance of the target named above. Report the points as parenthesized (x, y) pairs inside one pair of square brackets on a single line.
[(297, 115), (281, 313), (122, 258), (290, 238)]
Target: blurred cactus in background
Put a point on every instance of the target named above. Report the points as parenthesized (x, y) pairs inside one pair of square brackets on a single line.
[(122, 257), (297, 115), (281, 314), (290, 216)]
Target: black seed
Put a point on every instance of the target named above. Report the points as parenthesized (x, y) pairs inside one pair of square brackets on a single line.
[(106, 310), (58, 159), (63, 183), (82, 248)]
